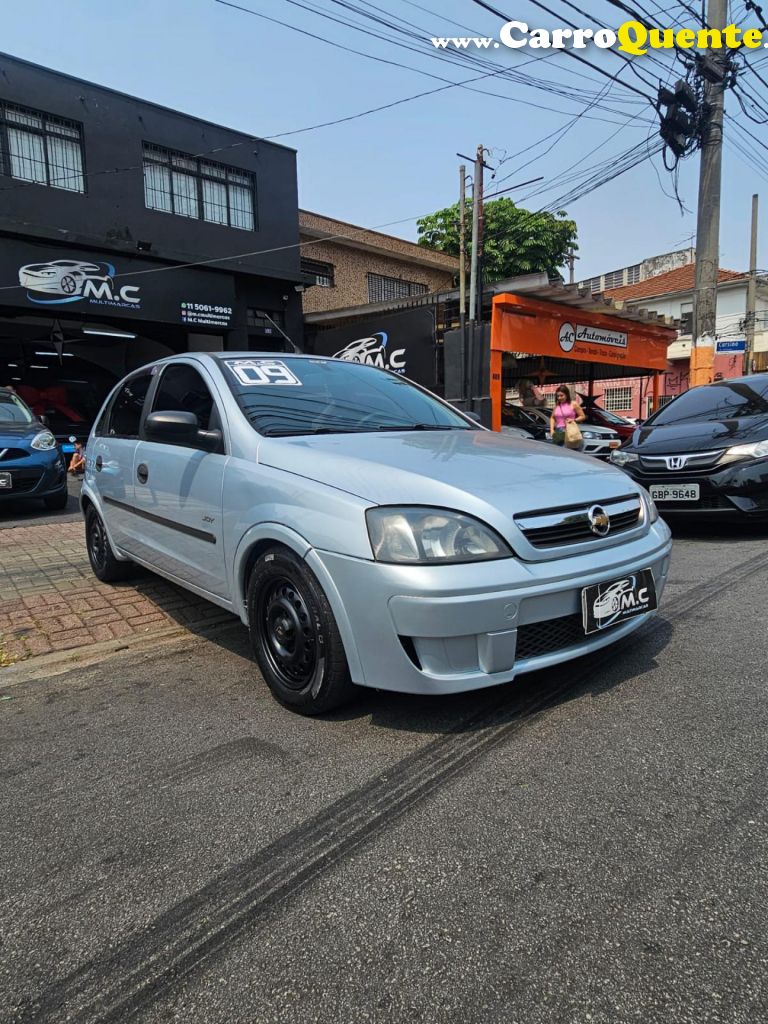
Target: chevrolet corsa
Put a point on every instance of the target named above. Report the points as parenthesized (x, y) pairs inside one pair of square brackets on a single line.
[(365, 531)]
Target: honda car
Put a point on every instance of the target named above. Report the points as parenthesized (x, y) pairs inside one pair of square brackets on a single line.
[(365, 531), (706, 452)]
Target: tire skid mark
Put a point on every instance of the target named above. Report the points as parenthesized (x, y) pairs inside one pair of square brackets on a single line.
[(147, 965)]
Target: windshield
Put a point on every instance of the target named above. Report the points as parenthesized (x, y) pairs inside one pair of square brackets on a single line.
[(287, 396), (609, 417), (13, 410), (725, 401)]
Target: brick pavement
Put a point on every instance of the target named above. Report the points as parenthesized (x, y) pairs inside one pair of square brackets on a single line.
[(51, 601)]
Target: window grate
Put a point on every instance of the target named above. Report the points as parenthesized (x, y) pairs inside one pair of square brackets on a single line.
[(322, 272), (40, 148), (617, 399), (200, 189), (384, 289)]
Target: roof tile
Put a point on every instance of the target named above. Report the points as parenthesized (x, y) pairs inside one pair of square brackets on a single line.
[(679, 280)]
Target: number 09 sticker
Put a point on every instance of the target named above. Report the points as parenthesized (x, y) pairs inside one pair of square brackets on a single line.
[(261, 372)]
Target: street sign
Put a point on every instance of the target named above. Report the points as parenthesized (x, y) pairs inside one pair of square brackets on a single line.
[(731, 346)]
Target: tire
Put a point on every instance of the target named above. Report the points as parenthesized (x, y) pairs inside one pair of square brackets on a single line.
[(294, 635), (103, 562), (56, 502)]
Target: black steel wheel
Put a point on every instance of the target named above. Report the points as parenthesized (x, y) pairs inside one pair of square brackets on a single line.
[(105, 566), (294, 634)]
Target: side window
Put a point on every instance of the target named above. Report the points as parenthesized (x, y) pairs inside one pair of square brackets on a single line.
[(182, 389), (125, 412)]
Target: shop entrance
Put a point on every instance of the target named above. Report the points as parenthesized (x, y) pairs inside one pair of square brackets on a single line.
[(535, 342)]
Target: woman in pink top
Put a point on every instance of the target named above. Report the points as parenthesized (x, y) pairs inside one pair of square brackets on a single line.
[(563, 411)]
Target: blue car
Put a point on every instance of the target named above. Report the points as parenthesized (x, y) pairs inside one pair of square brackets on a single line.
[(31, 464), (364, 530)]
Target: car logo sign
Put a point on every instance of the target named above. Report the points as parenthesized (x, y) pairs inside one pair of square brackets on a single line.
[(599, 521), (676, 461)]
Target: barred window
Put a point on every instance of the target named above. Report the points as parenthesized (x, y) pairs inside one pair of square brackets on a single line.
[(200, 189), (41, 148), (322, 272), (633, 274), (382, 289), (263, 322), (617, 399)]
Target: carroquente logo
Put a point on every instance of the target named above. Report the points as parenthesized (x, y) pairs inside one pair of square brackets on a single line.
[(630, 37)]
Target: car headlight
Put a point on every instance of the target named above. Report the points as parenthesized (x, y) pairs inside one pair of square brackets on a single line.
[(620, 458), (652, 507), (588, 433), (757, 450), (44, 441), (431, 536)]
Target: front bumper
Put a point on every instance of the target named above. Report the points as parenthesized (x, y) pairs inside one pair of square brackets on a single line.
[(38, 475), (737, 490), (446, 629)]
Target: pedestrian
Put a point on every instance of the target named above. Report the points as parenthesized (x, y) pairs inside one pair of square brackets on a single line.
[(77, 462), (566, 411)]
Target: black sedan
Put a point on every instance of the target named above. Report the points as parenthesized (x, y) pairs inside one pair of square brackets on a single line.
[(706, 452)]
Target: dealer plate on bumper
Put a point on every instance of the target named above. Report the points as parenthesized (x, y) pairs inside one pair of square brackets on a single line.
[(611, 603), (6, 481)]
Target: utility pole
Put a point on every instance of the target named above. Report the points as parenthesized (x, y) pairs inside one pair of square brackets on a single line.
[(751, 292), (571, 261), (708, 219), (477, 203), (462, 247)]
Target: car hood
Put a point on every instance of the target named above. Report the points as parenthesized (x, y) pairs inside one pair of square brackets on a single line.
[(12, 433), (469, 470), (699, 436)]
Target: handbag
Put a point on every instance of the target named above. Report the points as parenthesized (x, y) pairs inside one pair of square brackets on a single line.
[(573, 436)]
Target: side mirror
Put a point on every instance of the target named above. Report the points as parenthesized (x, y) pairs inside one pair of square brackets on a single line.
[(44, 420), (177, 427), (474, 416)]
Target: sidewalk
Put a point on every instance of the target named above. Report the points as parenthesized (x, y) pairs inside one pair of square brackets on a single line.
[(50, 600)]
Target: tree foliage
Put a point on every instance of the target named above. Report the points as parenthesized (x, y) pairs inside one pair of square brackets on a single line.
[(517, 241)]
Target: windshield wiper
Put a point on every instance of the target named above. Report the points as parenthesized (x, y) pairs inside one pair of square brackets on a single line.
[(419, 426)]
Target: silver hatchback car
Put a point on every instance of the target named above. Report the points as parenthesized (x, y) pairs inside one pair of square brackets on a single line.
[(364, 530)]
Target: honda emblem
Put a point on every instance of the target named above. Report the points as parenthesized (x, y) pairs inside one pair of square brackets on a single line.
[(676, 461)]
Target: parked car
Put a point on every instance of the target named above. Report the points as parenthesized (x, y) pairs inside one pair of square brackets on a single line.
[(514, 416), (517, 432), (706, 452), (597, 416), (364, 530), (598, 441), (31, 464)]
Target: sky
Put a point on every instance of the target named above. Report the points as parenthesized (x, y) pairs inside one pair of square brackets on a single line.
[(247, 73)]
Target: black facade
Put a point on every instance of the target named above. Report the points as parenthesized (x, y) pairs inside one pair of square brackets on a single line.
[(104, 200)]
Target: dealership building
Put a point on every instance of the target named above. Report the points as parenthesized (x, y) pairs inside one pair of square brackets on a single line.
[(128, 232)]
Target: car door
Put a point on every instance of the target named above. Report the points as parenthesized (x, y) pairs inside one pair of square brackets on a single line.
[(178, 488), (110, 458)]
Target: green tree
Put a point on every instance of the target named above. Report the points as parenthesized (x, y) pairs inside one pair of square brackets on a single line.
[(517, 241)]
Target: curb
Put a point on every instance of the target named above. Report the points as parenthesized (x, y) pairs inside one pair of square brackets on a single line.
[(58, 662)]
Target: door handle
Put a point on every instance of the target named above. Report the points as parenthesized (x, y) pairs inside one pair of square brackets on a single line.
[(99, 463), (142, 473)]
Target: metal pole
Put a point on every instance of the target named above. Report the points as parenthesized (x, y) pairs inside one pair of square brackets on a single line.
[(751, 292), (708, 219), (477, 195), (462, 246)]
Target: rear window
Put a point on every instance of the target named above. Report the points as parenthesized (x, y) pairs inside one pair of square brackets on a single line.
[(287, 396), (725, 401)]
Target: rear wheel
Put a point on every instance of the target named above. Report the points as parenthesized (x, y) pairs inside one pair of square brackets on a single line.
[(103, 562), (294, 635)]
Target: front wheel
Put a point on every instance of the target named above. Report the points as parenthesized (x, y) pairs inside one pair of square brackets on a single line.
[(103, 562), (294, 635)]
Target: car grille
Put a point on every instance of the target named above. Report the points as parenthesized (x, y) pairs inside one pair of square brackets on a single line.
[(24, 480), (692, 462), (571, 524), (8, 454), (539, 638), (707, 503)]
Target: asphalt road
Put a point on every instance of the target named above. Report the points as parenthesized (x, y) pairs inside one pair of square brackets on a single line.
[(30, 512), (586, 845)]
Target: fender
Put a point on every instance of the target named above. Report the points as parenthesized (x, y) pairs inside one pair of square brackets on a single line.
[(87, 494), (304, 550)]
